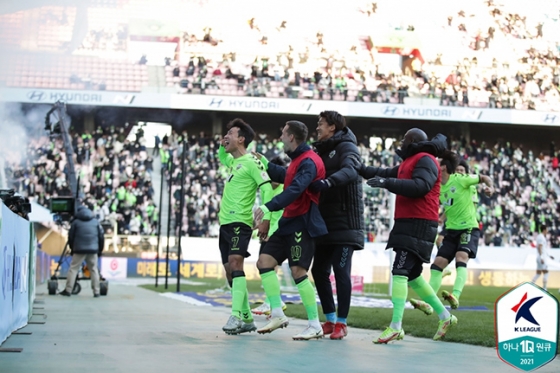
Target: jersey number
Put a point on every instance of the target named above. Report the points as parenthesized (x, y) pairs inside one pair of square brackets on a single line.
[(234, 242)]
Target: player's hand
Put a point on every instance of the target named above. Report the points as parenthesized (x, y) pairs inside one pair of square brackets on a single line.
[(542, 260), (377, 182), (258, 215), (261, 158), (262, 230), (222, 142), (319, 185), (488, 191)]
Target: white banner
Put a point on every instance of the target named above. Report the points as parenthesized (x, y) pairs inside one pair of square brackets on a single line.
[(6, 272), (113, 268), (279, 106)]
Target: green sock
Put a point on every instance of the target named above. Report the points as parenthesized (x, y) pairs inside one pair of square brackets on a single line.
[(427, 293), (398, 297), (246, 314), (238, 291), (460, 281), (307, 294), (271, 287), (267, 301), (435, 279)]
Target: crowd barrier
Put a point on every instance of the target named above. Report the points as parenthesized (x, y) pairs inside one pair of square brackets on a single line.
[(494, 266), (20, 263)]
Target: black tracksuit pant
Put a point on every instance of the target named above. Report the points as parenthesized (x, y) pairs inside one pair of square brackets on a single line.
[(339, 258)]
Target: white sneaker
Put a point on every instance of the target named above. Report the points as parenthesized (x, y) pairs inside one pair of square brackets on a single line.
[(309, 333), (263, 309), (273, 324)]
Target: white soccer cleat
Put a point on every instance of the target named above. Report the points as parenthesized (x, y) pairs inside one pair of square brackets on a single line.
[(273, 324), (263, 309), (309, 333)]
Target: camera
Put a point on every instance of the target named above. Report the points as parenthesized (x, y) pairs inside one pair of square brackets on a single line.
[(63, 208), (15, 202)]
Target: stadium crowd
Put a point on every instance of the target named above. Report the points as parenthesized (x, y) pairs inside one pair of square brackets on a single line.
[(500, 59), (527, 195), (114, 177)]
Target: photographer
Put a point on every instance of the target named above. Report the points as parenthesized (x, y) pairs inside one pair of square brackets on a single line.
[(86, 241)]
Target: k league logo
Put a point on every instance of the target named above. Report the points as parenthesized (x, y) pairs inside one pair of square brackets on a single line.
[(523, 309), (527, 327)]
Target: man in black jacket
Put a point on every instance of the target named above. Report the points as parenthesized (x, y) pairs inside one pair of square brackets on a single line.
[(342, 209), (416, 182), (86, 241)]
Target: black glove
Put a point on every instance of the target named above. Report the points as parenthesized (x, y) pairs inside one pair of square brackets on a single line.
[(377, 182), (319, 185)]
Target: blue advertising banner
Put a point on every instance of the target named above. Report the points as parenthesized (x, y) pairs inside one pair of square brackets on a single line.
[(6, 272), (20, 309)]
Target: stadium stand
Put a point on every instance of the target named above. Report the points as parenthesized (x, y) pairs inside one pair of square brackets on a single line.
[(503, 55)]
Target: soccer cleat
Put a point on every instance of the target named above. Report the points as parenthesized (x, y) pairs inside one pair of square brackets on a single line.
[(422, 306), (444, 326), (309, 333), (273, 324), (247, 327), (340, 331), (263, 309), (389, 335), (233, 325), (446, 272), (328, 327), (453, 302)]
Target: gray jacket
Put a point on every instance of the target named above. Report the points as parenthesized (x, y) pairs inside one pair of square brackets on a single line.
[(86, 235)]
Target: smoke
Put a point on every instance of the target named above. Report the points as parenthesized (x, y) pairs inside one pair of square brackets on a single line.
[(19, 125)]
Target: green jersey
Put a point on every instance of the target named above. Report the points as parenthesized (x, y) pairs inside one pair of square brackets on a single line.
[(457, 201), (474, 194), (245, 175)]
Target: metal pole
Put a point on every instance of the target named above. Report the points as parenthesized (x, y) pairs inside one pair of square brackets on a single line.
[(171, 169), (159, 224), (181, 206)]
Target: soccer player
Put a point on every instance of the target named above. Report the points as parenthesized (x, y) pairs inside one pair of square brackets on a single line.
[(277, 188), (342, 207), (461, 239), (542, 257), (246, 174), (462, 168), (416, 182), (300, 223)]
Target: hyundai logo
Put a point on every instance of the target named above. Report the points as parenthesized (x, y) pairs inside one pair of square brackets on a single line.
[(36, 95), (549, 119), (390, 110), (216, 102)]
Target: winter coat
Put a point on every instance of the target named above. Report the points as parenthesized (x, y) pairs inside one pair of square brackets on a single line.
[(86, 235)]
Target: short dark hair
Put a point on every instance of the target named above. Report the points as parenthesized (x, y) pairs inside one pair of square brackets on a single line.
[(465, 165), (298, 129), (245, 130), (334, 117), (450, 160), (543, 228)]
